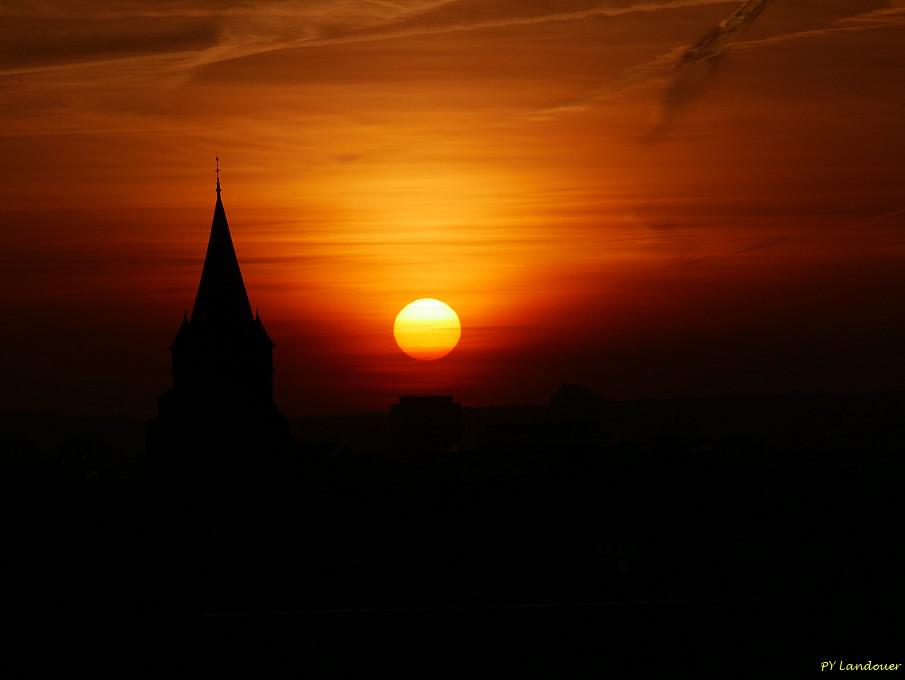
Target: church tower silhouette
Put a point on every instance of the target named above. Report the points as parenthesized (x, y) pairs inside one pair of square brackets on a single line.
[(221, 402)]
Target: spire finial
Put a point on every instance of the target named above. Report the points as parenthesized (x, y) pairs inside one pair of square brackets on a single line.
[(217, 159)]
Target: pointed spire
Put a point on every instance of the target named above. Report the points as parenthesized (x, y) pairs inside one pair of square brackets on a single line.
[(222, 298), (217, 160)]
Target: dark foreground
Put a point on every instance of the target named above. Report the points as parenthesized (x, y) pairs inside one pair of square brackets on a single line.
[(564, 549)]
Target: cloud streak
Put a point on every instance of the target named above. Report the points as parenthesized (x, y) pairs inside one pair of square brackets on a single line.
[(697, 63), (246, 31), (38, 36), (716, 41), (683, 72), (869, 21)]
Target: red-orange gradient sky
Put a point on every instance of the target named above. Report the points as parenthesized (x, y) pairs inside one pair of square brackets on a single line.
[(520, 160)]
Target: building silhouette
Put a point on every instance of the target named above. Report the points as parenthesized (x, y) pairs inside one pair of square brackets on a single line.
[(425, 424), (220, 412)]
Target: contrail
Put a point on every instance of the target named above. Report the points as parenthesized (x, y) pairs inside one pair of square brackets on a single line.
[(683, 71), (715, 43), (697, 63)]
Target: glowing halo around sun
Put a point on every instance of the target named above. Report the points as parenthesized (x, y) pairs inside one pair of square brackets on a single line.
[(427, 329)]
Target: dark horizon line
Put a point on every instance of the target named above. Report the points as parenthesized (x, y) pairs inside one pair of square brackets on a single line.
[(690, 397)]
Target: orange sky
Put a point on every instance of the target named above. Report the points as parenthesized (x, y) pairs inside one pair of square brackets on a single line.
[(520, 161)]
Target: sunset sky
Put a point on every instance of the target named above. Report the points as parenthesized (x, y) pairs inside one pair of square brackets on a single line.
[(593, 213)]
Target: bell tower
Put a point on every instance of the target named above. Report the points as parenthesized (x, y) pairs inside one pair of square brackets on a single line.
[(222, 362)]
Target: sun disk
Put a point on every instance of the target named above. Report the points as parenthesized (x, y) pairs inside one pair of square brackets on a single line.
[(427, 329)]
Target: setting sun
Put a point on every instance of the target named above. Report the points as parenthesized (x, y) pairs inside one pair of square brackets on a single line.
[(427, 329)]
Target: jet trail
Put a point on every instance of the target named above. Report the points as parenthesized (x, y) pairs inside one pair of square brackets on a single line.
[(715, 43), (696, 64)]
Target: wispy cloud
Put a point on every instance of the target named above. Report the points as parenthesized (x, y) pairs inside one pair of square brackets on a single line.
[(683, 72), (203, 33), (39, 36), (698, 62), (716, 41), (869, 21), (426, 23)]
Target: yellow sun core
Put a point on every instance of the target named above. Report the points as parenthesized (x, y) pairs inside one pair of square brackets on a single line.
[(427, 329)]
